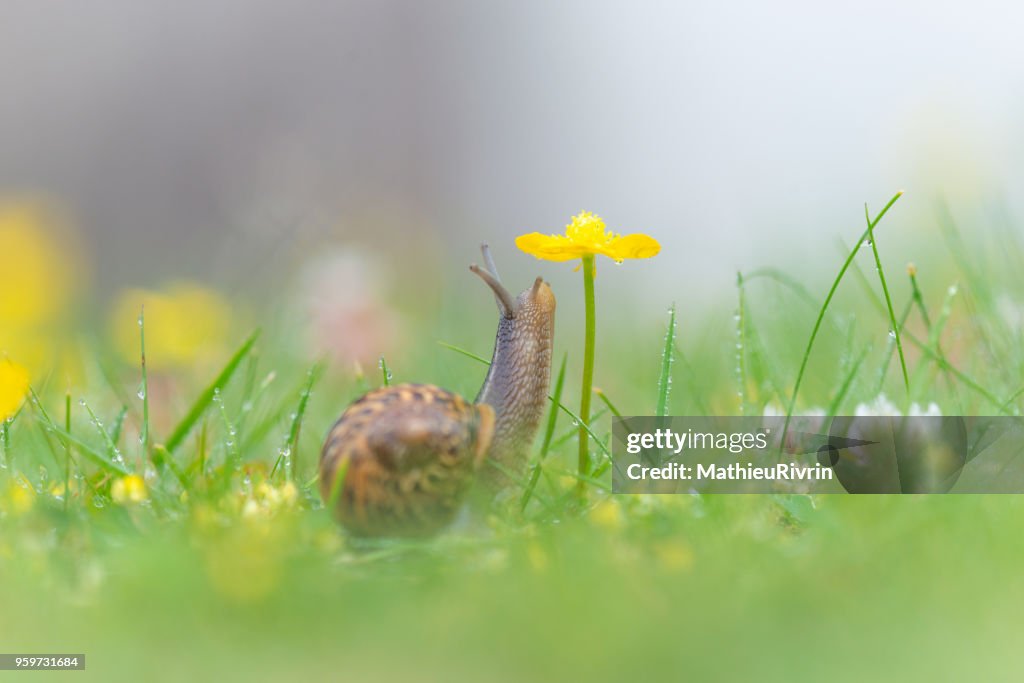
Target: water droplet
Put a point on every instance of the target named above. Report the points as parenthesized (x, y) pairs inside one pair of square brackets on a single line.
[(866, 243), (390, 376), (575, 423), (141, 393), (81, 402), (892, 334)]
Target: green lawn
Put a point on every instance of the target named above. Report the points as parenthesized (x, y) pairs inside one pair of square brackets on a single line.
[(219, 562)]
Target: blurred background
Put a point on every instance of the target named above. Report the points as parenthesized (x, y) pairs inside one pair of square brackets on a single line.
[(341, 149)]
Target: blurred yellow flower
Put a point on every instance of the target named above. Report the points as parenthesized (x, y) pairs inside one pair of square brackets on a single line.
[(19, 497), (128, 490), (608, 515), (38, 276), (586, 235), (673, 555), (13, 387), (186, 323), (41, 274), (267, 499), (538, 557), (58, 489)]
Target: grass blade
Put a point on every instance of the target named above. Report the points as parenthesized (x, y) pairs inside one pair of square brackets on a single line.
[(292, 445), (844, 388), (895, 327), (206, 397), (145, 382), (67, 438), (824, 309), (67, 451), (608, 402), (337, 485), (464, 352), (556, 398), (113, 453), (665, 379)]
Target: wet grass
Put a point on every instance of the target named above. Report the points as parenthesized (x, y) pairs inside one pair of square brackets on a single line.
[(230, 568)]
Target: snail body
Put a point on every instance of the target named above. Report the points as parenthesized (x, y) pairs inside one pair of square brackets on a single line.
[(400, 459)]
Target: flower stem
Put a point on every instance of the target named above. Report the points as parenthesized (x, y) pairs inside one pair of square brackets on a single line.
[(588, 370)]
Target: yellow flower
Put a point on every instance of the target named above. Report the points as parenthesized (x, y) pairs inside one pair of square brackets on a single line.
[(586, 236), (128, 489), (19, 498), (608, 515), (185, 324), (13, 387), (39, 274)]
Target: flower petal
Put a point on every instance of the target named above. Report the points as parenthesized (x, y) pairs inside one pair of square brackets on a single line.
[(636, 245), (550, 247)]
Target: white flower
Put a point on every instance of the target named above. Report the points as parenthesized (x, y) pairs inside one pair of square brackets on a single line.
[(882, 406)]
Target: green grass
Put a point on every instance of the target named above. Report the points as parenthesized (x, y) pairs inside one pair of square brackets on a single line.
[(232, 569)]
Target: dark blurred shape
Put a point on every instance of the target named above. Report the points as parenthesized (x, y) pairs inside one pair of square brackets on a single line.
[(919, 454)]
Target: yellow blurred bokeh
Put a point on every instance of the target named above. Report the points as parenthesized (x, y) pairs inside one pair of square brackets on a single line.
[(42, 273), (13, 387), (185, 324)]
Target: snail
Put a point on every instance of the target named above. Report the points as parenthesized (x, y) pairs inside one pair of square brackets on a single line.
[(401, 459)]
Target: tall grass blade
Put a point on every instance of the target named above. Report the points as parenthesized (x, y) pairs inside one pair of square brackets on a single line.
[(144, 390), (824, 309), (665, 378), (296, 424), (66, 438), (206, 397), (895, 329)]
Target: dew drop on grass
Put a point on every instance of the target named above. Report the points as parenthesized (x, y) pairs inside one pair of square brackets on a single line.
[(141, 393), (892, 334)]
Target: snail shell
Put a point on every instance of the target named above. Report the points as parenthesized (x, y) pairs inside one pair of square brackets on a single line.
[(409, 452)]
